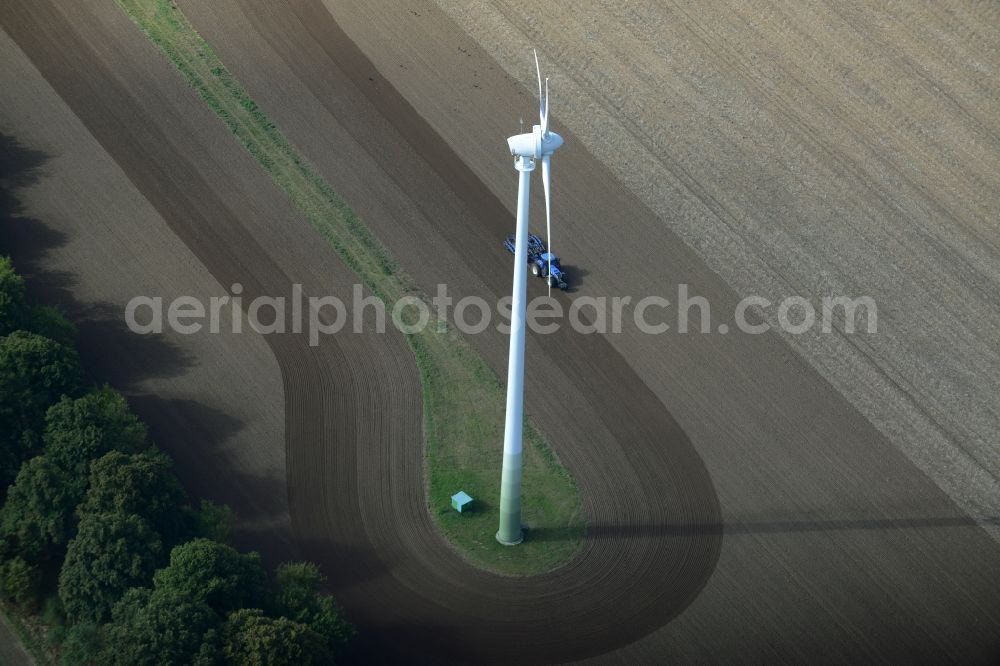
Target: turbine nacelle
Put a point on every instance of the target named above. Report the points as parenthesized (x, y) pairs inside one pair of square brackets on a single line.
[(535, 144)]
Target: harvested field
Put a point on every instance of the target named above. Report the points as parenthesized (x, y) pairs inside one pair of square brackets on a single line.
[(740, 505)]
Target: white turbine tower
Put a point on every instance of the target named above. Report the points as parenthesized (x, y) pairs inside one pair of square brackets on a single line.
[(539, 144)]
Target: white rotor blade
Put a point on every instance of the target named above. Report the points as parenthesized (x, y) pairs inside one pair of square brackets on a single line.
[(546, 185), (543, 111), (545, 116)]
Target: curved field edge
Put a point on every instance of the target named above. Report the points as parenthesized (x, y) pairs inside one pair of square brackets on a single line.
[(463, 399)]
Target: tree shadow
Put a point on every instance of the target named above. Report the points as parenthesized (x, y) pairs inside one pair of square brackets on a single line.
[(120, 357), (196, 435), (26, 239), (19, 167), (210, 469), (110, 352), (392, 643), (355, 564)]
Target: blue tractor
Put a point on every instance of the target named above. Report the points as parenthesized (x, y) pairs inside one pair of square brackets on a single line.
[(539, 260)]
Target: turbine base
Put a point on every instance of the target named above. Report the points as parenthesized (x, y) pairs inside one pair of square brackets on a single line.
[(520, 538)]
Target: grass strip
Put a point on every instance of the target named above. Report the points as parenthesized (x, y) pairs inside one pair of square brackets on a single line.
[(463, 399)]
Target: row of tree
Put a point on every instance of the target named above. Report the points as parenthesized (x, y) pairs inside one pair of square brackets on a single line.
[(96, 528)]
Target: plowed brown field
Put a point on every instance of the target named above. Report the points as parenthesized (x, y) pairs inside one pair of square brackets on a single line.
[(738, 506)]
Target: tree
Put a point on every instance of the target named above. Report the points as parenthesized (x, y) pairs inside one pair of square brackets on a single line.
[(16, 314), (298, 597), (110, 554), (12, 306), (48, 321), (82, 645), (252, 639), (39, 511), (161, 627), (34, 373), (142, 484), (19, 582), (216, 574), (213, 521), (130, 605), (81, 430)]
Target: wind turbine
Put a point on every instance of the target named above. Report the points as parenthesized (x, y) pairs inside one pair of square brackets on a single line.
[(527, 148)]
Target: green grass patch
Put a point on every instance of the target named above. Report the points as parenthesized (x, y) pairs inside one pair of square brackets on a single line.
[(463, 400)]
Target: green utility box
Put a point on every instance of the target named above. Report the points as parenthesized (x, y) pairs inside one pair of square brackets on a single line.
[(460, 500)]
